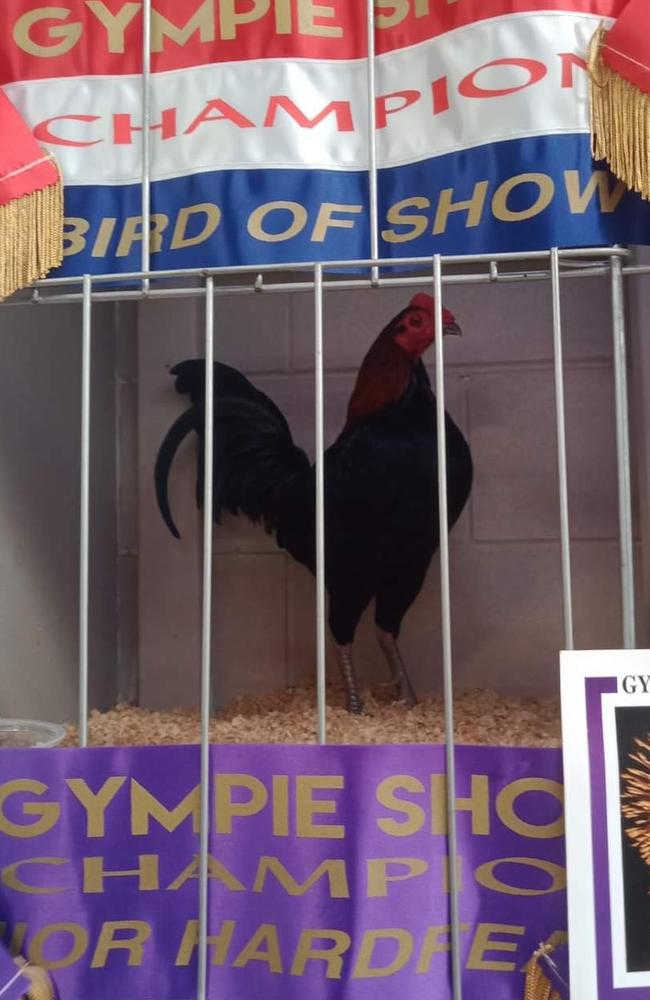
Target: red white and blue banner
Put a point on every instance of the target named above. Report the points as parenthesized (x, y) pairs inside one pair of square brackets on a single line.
[(259, 127)]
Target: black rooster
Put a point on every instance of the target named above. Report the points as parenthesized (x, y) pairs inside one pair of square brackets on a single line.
[(381, 499)]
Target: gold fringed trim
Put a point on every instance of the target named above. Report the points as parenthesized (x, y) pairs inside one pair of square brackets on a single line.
[(620, 121), (41, 987), (31, 237), (538, 987)]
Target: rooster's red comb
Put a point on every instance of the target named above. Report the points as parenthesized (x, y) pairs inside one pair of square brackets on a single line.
[(422, 301)]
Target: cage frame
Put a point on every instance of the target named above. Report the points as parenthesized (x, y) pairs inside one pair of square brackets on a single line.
[(321, 278)]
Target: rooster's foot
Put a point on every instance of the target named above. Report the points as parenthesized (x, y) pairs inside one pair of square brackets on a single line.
[(391, 651), (354, 703)]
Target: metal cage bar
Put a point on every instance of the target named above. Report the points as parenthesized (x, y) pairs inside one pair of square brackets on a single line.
[(571, 254), (560, 417), (320, 507), (84, 510), (373, 196), (308, 286), (206, 643), (623, 457), (145, 193), (447, 666)]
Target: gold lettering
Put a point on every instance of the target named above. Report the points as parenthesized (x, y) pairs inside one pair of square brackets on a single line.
[(505, 806), (95, 803), (400, 11), (307, 807), (220, 943), (230, 17), (477, 803), (48, 813), (483, 941), (308, 11), (333, 957), (36, 950), (12, 880), (418, 223), (225, 785), (18, 934), (258, 217), (212, 215), (115, 24), (473, 206), (484, 875), (74, 231), (252, 952), (68, 33), (280, 805), (132, 233), (363, 968), (215, 870), (415, 817), (144, 806), (544, 198), (579, 201), (147, 872), (283, 17), (432, 945), (326, 220), (104, 237), (335, 871), (202, 21), (108, 942), (378, 877)]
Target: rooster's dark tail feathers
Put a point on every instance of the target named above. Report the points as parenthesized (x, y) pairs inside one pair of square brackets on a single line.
[(254, 453)]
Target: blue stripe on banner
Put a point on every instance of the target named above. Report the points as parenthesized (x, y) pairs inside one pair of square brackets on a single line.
[(522, 195), (527, 194)]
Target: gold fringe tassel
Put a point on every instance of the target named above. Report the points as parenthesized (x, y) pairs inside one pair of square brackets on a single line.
[(31, 237), (538, 986), (620, 121), (41, 987)]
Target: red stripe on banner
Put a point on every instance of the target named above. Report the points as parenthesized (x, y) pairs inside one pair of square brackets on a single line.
[(103, 37), (405, 22), (41, 174)]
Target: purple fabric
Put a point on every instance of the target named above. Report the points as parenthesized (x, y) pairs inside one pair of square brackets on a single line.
[(13, 984), (377, 910), (595, 688)]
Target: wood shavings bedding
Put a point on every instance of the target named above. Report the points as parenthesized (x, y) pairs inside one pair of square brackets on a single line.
[(481, 717)]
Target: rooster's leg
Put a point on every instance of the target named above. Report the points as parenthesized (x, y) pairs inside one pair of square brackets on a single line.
[(346, 664), (391, 651)]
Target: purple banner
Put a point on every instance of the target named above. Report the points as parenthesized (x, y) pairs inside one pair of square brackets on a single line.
[(595, 688), (13, 983), (328, 870)]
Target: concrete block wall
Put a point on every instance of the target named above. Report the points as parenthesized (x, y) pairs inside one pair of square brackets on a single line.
[(505, 554), (40, 380)]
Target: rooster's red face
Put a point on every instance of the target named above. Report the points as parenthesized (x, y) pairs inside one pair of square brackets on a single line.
[(417, 327)]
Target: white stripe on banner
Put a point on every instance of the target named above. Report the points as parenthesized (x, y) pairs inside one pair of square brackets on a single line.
[(434, 98)]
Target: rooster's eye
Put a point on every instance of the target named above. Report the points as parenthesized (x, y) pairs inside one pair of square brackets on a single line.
[(416, 321)]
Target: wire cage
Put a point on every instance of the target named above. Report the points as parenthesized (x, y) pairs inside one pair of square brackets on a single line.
[(322, 279)]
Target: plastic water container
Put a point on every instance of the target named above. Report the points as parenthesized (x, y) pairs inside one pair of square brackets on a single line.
[(24, 733)]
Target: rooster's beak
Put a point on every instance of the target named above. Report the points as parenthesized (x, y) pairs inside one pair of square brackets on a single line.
[(452, 330)]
